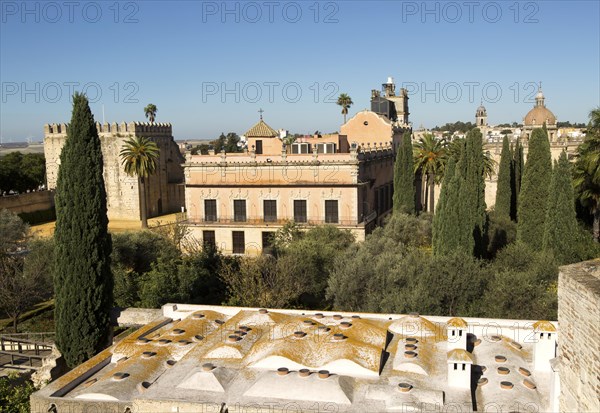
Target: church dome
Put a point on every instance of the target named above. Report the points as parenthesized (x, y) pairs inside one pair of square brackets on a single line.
[(538, 115)]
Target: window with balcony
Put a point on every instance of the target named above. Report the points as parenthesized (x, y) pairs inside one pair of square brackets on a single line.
[(331, 212), (210, 210), (270, 210), (300, 210), (239, 210)]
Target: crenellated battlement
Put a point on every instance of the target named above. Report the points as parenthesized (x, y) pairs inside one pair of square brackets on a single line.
[(131, 128), (55, 128)]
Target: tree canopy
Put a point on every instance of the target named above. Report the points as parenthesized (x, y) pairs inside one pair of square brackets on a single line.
[(504, 191), (587, 172), (82, 277), (533, 197), (139, 157), (404, 177), (345, 101), (150, 112), (561, 229), (21, 173)]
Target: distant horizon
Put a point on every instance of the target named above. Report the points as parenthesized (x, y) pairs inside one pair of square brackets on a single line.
[(40, 140)]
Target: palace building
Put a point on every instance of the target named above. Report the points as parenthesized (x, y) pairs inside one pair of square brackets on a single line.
[(236, 201)]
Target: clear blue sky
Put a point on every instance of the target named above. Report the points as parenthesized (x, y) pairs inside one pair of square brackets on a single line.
[(182, 56)]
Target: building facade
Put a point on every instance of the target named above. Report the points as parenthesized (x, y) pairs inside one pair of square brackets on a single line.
[(164, 189), (236, 201)]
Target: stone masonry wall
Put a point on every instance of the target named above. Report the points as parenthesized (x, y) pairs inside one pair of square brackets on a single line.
[(29, 202), (579, 340), (165, 189)]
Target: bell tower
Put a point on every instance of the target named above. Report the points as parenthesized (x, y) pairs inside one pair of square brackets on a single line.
[(481, 117)]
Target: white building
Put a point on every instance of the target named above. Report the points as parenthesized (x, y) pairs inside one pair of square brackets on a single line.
[(208, 358)]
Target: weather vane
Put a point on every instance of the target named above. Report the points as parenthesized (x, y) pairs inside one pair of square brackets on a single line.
[(261, 112)]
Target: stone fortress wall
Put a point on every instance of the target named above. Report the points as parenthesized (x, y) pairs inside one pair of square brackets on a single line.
[(579, 343), (164, 190)]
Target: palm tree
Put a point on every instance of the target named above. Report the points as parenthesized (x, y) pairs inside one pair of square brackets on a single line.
[(139, 157), (595, 120), (430, 156), (587, 171), (150, 111), (345, 102)]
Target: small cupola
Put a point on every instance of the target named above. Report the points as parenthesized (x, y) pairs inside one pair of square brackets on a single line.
[(544, 346), (459, 368), (456, 330)]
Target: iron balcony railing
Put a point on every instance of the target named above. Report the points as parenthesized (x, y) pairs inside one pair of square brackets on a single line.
[(350, 221)]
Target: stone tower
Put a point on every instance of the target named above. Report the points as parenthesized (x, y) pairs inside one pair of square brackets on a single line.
[(164, 189), (481, 117), (481, 121)]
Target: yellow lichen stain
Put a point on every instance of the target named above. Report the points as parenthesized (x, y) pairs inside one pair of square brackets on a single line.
[(457, 322), (544, 325)]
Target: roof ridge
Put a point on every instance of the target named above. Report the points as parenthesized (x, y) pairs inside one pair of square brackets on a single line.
[(262, 130)]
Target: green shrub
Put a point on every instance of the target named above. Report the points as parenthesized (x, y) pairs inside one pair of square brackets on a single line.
[(14, 394)]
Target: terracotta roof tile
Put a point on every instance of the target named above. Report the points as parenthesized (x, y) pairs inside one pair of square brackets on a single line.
[(261, 130)]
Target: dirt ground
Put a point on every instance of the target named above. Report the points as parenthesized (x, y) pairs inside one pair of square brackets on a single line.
[(47, 229)]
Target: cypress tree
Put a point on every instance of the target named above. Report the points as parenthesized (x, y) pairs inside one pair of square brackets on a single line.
[(533, 198), (560, 231), (446, 228), (517, 173), (82, 277), (404, 177), (463, 199), (472, 195), (504, 188)]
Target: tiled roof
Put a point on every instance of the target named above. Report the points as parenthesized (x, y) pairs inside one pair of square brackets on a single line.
[(544, 325), (261, 130), (457, 322), (538, 115), (460, 355)]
